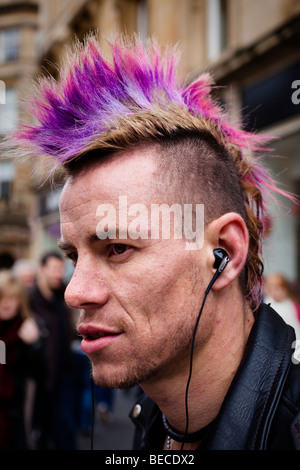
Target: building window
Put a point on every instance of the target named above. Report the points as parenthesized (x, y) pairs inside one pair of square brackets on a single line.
[(216, 28), (142, 19), (9, 45), (8, 111), (7, 174)]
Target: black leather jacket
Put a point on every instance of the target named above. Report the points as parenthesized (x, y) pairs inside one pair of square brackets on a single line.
[(261, 410)]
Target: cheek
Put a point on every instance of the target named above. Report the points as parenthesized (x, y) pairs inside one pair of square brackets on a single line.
[(14, 305), (173, 282), (161, 295)]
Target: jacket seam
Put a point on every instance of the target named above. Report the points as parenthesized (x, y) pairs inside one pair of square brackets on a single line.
[(297, 428), (290, 406), (268, 396)]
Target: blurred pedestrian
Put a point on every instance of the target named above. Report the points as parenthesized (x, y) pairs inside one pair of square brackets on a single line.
[(24, 358), (54, 408), (25, 271), (105, 399), (278, 293)]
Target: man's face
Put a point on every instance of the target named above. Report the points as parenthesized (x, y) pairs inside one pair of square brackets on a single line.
[(53, 272), (138, 299)]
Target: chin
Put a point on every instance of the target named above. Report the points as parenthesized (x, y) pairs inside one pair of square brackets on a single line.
[(128, 377), (113, 382), (123, 379)]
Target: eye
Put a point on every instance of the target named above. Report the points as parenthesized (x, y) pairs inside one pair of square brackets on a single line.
[(118, 249), (73, 257)]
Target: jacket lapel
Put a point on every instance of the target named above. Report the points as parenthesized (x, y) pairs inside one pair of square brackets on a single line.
[(246, 414)]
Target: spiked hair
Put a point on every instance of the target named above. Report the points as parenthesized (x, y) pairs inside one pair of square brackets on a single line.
[(136, 98)]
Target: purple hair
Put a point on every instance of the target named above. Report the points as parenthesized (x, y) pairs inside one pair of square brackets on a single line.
[(93, 95)]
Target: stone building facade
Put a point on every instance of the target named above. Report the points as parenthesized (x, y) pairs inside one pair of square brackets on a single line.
[(251, 49), (18, 64)]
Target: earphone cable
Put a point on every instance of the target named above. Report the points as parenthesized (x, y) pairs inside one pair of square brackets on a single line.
[(93, 414), (191, 368)]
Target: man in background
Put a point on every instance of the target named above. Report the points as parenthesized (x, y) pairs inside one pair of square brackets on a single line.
[(53, 414)]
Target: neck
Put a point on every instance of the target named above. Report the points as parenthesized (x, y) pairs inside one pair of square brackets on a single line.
[(216, 358)]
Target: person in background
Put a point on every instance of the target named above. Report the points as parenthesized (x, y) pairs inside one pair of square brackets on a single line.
[(25, 271), (105, 398), (53, 412), (24, 359), (278, 294)]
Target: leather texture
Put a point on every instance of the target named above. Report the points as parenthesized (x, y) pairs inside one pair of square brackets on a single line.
[(261, 410)]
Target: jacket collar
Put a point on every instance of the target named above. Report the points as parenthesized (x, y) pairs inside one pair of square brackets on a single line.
[(245, 417), (246, 414)]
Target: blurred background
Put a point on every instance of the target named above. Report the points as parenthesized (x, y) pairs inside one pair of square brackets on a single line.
[(251, 49)]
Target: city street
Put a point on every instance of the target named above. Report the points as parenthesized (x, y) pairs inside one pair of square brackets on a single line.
[(116, 434)]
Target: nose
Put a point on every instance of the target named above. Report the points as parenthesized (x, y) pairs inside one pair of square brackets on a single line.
[(86, 289)]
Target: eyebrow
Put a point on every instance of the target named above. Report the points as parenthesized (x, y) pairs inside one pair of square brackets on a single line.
[(65, 246)]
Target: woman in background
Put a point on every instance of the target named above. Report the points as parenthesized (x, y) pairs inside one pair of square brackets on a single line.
[(23, 359), (278, 294)]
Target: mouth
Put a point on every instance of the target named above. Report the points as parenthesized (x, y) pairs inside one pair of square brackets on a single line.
[(94, 339), (93, 336)]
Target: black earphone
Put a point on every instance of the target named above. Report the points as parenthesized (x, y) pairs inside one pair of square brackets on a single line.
[(221, 261)]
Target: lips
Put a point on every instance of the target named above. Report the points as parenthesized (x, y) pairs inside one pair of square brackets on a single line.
[(96, 338)]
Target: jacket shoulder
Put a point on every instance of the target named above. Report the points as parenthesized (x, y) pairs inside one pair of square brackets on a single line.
[(291, 399), (288, 413)]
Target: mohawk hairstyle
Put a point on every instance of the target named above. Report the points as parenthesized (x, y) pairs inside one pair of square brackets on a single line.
[(136, 98)]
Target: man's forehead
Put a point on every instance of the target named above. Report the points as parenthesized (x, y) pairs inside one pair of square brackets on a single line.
[(130, 174), (139, 160)]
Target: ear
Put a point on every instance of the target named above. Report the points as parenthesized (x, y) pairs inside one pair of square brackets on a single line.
[(230, 233)]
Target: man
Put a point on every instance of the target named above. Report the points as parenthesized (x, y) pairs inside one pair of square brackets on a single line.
[(53, 415), (136, 148)]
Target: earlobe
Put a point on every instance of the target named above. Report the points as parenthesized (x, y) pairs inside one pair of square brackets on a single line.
[(230, 233)]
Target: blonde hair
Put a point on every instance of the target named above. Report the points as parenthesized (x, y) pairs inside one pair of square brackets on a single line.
[(10, 286)]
